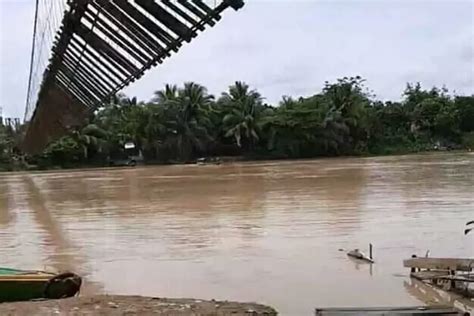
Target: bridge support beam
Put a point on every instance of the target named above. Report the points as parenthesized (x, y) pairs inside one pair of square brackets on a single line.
[(57, 114)]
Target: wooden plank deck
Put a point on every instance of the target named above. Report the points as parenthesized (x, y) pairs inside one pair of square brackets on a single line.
[(461, 264)]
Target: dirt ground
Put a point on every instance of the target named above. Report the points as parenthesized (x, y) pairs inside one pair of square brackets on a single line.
[(106, 305)]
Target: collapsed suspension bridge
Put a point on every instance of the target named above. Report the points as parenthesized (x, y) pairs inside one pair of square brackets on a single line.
[(97, 48)]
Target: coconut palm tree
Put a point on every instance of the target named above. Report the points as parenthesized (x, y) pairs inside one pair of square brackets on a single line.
[(90, 138), (243, 109), (186, 114), (349, 97), (287, 102), (308, 127), (194, 101), (166, 95)]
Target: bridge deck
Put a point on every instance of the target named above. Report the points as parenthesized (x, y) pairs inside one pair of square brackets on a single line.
[(105, 45)]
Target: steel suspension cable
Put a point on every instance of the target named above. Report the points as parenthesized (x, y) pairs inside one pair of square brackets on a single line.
[(31, 59)]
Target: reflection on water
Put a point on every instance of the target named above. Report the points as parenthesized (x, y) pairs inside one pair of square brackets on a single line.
[(432, 296), (267, 231)]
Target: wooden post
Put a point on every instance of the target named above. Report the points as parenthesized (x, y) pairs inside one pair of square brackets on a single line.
[(413, 269), (370, 252), (453, 283)]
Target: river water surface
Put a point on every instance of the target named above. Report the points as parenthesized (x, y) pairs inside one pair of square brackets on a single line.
[(266, 231)]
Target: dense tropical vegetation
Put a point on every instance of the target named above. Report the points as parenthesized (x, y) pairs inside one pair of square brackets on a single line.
[(180, 124)]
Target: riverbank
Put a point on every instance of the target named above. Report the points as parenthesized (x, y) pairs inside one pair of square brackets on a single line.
[(108, 305), (218, 160)]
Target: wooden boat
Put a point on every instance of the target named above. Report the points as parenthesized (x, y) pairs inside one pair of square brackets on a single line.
[(24, 285), (357, 254)]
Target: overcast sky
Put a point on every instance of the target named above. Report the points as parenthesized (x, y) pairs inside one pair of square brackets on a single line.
[(287, 47)]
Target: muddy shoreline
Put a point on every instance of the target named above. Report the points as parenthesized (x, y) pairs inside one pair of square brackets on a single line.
[(7, 168), (112, 305)]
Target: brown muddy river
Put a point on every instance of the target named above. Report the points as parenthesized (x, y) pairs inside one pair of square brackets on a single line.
[(267, 231)]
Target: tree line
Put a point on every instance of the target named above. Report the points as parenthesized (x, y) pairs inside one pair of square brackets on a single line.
[(180, 124)]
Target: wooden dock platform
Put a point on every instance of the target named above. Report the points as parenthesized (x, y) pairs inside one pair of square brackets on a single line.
[(449, 274)]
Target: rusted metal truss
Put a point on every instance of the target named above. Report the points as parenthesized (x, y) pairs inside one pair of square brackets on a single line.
[(104, 45)]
